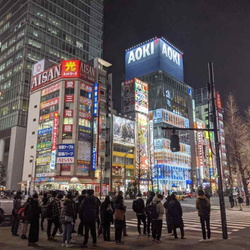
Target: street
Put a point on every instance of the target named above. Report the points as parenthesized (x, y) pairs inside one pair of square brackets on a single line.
[(238, 223)]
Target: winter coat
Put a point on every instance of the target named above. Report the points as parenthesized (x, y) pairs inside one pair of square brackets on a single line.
[(106, 217), (138, 206), (33, 210), (159, 207), (17, 203), (89, 209), (175, 214), (56, 207), (203, 212), (149, 201)]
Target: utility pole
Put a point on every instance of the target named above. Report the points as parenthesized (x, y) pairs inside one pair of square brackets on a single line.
[(211, 90)]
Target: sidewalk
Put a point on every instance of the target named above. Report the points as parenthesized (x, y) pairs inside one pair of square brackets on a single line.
[(7, 242)]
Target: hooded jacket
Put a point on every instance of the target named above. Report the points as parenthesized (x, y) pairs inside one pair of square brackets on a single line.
[(89, 209), (159, 207), (203, 210)]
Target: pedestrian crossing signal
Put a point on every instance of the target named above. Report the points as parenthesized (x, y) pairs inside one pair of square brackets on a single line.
[(175, 143)]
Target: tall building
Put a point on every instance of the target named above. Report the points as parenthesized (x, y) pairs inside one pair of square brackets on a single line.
[(66, 133), (32, 30), (170, 103)]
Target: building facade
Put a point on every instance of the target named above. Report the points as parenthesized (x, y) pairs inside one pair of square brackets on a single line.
[(170, 103), (66, 140), (32, 30)]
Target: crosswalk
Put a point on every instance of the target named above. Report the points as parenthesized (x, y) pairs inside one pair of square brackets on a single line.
[(236, 221)]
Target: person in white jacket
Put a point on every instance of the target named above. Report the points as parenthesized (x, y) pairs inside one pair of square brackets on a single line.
[(157, 223)]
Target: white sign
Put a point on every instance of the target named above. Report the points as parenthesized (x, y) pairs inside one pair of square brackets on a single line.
[(38, 68), (65, 160)]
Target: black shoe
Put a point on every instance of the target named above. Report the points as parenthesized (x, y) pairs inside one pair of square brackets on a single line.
[(176, 237), (23, 237), (84, 246), (183, 238), (16, 235)]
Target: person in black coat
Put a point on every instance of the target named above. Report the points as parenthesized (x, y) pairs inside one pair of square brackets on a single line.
[(88, 213), (175, 216), (34, 213), (149, 203), (80, 199), (168, 221), (106, 213)]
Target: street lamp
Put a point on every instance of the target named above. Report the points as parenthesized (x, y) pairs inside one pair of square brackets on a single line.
[(32, 175), (125, 170)]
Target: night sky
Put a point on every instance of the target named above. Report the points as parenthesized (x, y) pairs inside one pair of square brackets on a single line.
[(204, 30)]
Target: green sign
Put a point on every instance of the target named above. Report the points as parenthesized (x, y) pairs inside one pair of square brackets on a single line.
[(44, 145)]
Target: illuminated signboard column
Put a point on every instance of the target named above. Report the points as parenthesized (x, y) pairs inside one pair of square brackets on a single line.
[(54, 141)]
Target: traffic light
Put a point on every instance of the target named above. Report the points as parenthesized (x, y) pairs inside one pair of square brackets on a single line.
[(175, 143)]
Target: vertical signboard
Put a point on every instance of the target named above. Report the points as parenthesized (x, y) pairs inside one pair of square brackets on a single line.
[(141, 96), (54, 140), (96, 99), (128, 95)]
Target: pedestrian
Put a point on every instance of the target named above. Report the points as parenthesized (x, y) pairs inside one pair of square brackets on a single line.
[(207, 195), (67, 219), (231, 200), (175, 216), (240, 201), (106, 213), (204, 207), (24, 217), (168, 221), (157, 222), (45, 200), (149, 203), (89, 211), (34, 211), (17, 203), (119, 217), (80, 199), (139, 208), (55, 207)]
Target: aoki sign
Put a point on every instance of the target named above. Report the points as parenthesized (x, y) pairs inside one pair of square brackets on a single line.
[(157, 54)]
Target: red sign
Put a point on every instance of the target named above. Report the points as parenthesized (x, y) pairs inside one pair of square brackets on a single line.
[(70, 84), (51, 89), (65, 167), (49, 103), (85, 101), (69, 98), (218, 100), (85, 115), (55, 131), (46, 117), (68, 113), (86, 87), (70, 68), (67, 128)]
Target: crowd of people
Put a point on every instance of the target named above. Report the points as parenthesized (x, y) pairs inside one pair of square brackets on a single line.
[(62, 211)]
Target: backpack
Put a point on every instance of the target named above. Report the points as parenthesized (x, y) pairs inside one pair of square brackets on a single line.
[(136, 206), (152, 212), (204, 207), (46, 210)]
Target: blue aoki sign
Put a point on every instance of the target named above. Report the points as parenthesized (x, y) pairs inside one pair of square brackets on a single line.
[(156, 54)]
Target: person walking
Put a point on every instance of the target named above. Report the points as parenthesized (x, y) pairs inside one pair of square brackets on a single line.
[(119, 217), (106, 213), (24, 217), (17, 203), (55, 216), (204, 208), (34, 211), (89, 211), (175, 216), (240, 201), (67, 219), (45, 200), (149, 204), (80, 199), (231, 200), (168, 221), (139, 209), (157, 223)]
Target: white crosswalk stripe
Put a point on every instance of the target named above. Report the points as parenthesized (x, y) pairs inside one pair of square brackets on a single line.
[(235, 221)]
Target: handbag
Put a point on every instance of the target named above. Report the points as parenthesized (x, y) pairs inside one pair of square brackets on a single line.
[(119, 214), (68, 219)]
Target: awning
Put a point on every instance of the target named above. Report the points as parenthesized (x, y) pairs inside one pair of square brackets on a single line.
[(87, 181), (22, 182)]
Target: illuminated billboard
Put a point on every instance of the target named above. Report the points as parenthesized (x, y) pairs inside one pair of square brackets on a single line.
[(123, 131), (128, 94), (141, 96), (153, 55)]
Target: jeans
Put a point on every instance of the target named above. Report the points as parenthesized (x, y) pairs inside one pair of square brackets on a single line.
[(156, 229), (91, 225), (141, 218), (54, 221), (15, 224), (67, 229), (207, 221)]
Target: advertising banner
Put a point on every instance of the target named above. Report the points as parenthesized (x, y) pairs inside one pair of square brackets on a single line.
[(84, 134), (157, 115), (128, 94), (69, 98), (65, 168), (153, 55), (84, 151), (141, 96), (67, 128), (86, 87), (70, 84), (45, 131), (123, 130), (43, 160), (70, 68), (38, 67), (82, 168), (85, 101), (68, 113), (50, 89), (49, 103), (54, 140), (44, 145), (65, 153), (46, 117), (85, 115), (96, 99)]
